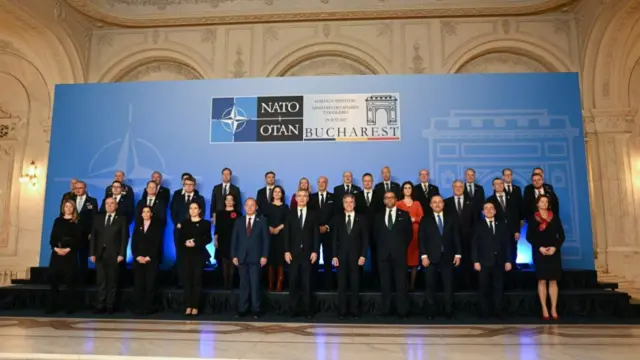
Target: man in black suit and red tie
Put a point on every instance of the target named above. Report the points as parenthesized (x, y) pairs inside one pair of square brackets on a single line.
[(507, 211), (124, 201), (462, 208), (392, 234), (490, 254), (301, 243), (265, 194), (385, 186), (440, 249), (162, 193), (126, 189), (350, 243), (87, 207), (473, 191), (424, 191), (323, 203), (221, 191)]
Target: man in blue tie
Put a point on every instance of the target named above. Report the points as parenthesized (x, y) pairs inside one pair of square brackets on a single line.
[(249, 251), (439, 242)]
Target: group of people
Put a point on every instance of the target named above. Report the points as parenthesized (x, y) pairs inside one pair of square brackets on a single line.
[(393, 226)]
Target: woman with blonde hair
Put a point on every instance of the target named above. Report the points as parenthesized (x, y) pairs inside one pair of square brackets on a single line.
[(65, 238), (303, 184)]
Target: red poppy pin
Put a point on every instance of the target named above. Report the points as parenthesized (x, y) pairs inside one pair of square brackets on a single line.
[(234, 215)]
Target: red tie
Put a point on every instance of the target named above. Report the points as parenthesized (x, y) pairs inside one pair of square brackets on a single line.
[(249, 228)]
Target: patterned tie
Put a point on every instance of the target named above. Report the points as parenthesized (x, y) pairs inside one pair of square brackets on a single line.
[(440, 225), (109, 220), (426, 189), (301, 219), (349, 225), (321, 201), (368, 198), (504, 206), (459, 205), (249, 227)]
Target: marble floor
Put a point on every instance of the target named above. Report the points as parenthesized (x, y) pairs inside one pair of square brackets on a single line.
[(57, 338)]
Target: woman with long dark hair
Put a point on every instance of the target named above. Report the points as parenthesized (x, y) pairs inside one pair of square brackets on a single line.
[(225, 220), (145, 248), (413, 207), (276, 217)]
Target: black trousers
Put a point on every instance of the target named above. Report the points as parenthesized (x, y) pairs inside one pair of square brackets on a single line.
[(300, 282), (144, 285), (445, 267), (514, 251), (193, 267), (83, 265), (393, 270), (491, 280), (348, 286), (60, 274), (108, 272), (249, 287), (327, 256), (178, 267)]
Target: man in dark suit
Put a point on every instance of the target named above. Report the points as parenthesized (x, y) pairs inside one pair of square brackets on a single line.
[(179, 212), (153, 200), (109, 239), (462, 208), (323, 203), (69, 194), (383, 187), (265, 194), (440, 249), (180, 191), (507, 212), (126, 189), (249, 251), (535, 189), (162, 193), (87, 209), (301, 243), (124, 201), (490, 255), (392, 234), (473, 191), (538, 170), (423, 191), (347, 187), (513, 191), (366, 207), (221, 191), (350, 243)]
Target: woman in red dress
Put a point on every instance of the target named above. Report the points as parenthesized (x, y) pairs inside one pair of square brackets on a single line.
[(415, 211), (303, 184)]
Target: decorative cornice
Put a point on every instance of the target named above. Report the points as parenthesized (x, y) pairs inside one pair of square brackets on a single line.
[(613, 121), (174, 18)]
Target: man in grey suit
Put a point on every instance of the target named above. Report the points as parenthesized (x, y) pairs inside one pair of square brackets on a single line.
[(249, 251), (109, 238)]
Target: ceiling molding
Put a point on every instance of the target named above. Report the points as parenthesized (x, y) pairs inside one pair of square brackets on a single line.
[(174, 18)]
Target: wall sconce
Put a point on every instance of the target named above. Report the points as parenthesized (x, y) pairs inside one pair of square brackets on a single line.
[(31, 176)]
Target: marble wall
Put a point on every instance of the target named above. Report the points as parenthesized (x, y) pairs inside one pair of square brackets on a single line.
[(53, 43)]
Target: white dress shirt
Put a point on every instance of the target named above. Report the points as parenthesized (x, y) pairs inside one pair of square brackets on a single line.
[(539, 191), (250, 219), (353, 217), (425, 187), (393, 211), (304, 214), (491, 223), (117, 198), (368, 193), (150, 200), (441, 215)]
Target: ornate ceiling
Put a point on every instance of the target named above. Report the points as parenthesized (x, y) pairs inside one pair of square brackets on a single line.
[(154, 13)]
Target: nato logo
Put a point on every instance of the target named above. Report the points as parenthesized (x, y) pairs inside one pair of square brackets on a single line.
[(256, 119)]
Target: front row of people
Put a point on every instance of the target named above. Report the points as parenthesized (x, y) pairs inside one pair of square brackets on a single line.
[(250, 250)]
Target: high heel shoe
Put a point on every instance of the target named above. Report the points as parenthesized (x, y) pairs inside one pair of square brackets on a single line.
[(555, 317), (545, 318)]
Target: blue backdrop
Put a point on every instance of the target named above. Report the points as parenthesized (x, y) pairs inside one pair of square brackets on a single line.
[(448, 123)]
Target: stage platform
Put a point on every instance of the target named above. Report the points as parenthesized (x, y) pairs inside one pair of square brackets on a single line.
[(580, 296)]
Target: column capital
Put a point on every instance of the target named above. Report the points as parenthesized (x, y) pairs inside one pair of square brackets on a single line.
[(612, 121)]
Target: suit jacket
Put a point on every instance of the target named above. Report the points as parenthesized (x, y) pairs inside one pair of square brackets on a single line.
[(363, 209), (516, 195), (438, 246), (511, 215), (180, 209), (263, 200), (158, 208), (86, 216), (249, 249), (529, 200), (163, 194), (340, 191), (147, 244), (491, 249), (325, 213), (378, 194), (302, 240), (466, 219), (125, 207), (126, 190), (350, 246), (422, 198), (392, 242), (109, 242), (217, 199), (478, 196)]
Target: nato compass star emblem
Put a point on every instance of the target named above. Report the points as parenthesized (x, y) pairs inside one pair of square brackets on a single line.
[(234, 119)]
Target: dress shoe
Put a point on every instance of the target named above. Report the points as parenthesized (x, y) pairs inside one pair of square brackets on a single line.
[(355, 317), (256, 315), (99, 311)]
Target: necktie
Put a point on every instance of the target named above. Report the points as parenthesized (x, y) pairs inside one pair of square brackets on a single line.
[(537, 193), (389, 219), (386, 187), (493, 229), (269, 193), (509, 188), (440, 225), (301, 219), (470, 189), (368, 198), (249, 227), (79, 204), (188, 198), (349, 225), (150, 202), (459, 205), (109, 219), (501, 198), (321, 200), (348, 189), (226, 190), (426, 189)]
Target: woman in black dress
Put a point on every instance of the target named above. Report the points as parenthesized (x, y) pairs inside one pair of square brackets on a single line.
[(545, 234), (276, 216), (65, 239), (195, 234), (145, 248), (225, 220)]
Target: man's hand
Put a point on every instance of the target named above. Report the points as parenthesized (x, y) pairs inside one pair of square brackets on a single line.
[(507, 267), (361, 261), (425, 262), (236, 262), (147, 259), (517, 236), (456, 261), (179, 226), (323, 229), (543, 251), (140, 259), (120, 259), (335, 262), (477, 266), (287, 257), (551, 250), (263, 261), (313, 257), (93, 259)]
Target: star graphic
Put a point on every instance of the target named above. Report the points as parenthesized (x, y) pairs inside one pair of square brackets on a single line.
[(233, 120)]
